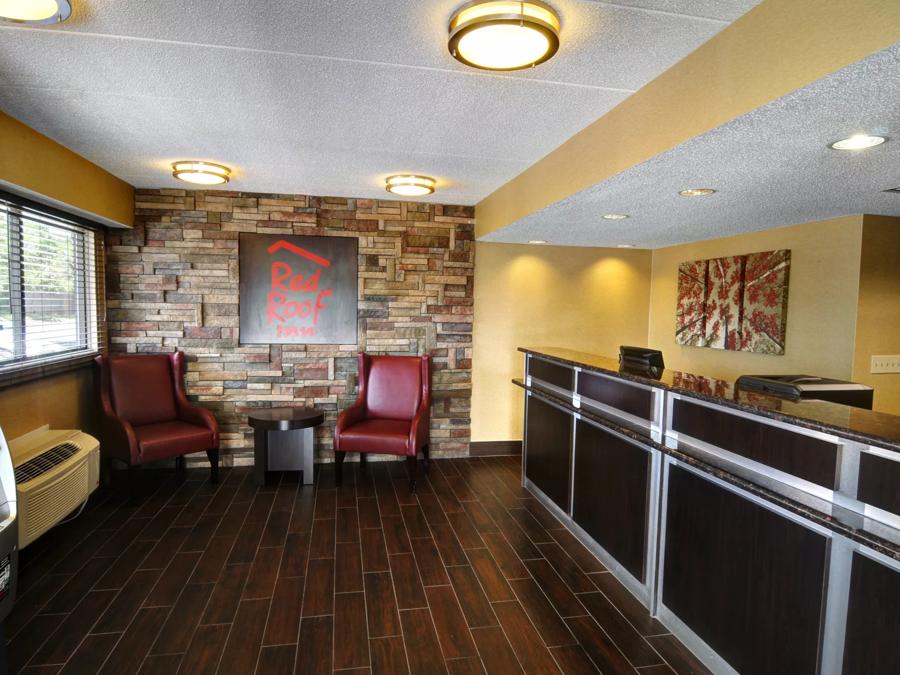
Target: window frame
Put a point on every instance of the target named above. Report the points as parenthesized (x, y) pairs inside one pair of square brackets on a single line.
[(89, 292)]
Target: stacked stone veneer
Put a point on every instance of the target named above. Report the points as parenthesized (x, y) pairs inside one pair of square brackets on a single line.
[(172, 283)]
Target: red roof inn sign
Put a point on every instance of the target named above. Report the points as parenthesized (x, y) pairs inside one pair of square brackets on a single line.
[(298, 289)]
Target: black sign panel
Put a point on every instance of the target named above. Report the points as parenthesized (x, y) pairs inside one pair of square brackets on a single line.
[(298, 289)]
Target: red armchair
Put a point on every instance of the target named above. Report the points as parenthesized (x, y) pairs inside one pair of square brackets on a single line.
[(146, 414), (391, 414)]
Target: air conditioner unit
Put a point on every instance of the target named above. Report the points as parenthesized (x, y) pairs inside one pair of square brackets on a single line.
[(56, 471)]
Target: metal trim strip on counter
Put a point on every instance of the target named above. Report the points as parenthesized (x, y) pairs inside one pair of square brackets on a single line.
[(847, 461)]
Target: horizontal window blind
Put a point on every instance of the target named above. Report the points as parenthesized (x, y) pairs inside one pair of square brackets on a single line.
[(48, 287)]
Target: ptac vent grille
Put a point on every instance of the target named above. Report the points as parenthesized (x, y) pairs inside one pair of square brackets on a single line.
[(41, 464)]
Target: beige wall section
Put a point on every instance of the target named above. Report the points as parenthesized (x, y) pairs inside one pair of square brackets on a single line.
[(39, 164), (878, 318), (592, 299), (822, 300), (774, 49)]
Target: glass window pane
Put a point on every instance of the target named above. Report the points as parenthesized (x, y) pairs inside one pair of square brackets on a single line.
[(52, 268), (6, 328)]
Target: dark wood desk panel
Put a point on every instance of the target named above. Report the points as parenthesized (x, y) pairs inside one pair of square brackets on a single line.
[(610, 502), (803, 456), (749, 582), (548, 450)]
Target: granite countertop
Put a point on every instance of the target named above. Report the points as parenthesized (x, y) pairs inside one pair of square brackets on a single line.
[(867, 531), (856, 424)]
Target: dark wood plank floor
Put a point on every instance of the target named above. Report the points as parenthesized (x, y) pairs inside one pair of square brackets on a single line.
[(470, 575)]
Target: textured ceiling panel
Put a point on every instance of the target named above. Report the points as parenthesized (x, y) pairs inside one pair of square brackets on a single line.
[(328, 97), (771, 167)]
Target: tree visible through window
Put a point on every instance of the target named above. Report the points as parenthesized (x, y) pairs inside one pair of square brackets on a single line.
[(48, 304)]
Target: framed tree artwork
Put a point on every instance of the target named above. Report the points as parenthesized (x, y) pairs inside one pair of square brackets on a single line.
[(737, 303)]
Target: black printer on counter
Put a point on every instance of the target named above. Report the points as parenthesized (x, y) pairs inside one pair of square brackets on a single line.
[(797, 387)]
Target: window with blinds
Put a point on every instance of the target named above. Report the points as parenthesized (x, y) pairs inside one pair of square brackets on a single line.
[(48, 287)]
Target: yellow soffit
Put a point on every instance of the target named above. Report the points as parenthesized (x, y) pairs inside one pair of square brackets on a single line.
[(776, 48), (38, 167)]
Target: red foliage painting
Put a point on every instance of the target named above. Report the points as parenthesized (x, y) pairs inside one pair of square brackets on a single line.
[(734, 303), (723, 303), (766, 277), (690, 315)]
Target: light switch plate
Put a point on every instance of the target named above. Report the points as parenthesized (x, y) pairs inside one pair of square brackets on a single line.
[(886, 364)]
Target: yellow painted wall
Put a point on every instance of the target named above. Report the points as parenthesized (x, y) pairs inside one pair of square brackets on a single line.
[(878, 318), (39, 164), (32, 161), (776, 48), (66, 401), (592, 299), (822, 301)]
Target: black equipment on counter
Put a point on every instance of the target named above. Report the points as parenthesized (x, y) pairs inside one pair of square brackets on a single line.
[(797, 387)]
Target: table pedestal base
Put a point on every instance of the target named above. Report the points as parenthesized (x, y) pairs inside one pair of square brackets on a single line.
[(291, 450)]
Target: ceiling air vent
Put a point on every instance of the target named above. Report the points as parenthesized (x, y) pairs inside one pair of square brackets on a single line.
[(45, 461)]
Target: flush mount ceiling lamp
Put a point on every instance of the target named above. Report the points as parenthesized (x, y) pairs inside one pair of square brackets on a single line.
[(858, 142), (625, 246), (614, 216), (503, 35), (201, 173), (697, 192), (537, 241), (410, 185), (35, 11)]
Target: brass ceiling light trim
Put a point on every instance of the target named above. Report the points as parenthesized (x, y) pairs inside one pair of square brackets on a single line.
[(409, 185), (35, 12), (697, 192), (201, 173), (858, 142), (504, 35)]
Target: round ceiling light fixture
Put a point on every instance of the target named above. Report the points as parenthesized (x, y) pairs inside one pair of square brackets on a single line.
[(614, 216), (503, 35), (625, 246), (537, 241), (201, 173), (35, 11), (858, 142), (697, 192), (409, 185)]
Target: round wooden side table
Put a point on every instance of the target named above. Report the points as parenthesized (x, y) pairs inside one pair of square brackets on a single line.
[(283, 440)]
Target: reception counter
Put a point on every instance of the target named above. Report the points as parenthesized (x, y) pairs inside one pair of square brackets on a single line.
[(764, 533)]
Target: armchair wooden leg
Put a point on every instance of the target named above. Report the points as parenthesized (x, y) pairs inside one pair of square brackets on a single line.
[(426, 461), (339, 468), (180, 464), (213, 456), (363, 460), (412, 465)]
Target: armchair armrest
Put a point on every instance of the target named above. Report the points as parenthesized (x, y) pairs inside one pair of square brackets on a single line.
[(421, 423), (348, 417), (187, 411), (117, 434)]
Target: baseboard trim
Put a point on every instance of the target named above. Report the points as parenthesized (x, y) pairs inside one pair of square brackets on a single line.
[(488, 448)]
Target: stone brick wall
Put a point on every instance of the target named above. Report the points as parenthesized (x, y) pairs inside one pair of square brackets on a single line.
[(172, 283)]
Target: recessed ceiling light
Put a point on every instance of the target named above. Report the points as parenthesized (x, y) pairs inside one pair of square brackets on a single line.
[(497, 35), (858, 142), (614, 216), (201, 173), (409, 185), (625, 246), (537, 241), (696, 192), (35, 11)]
